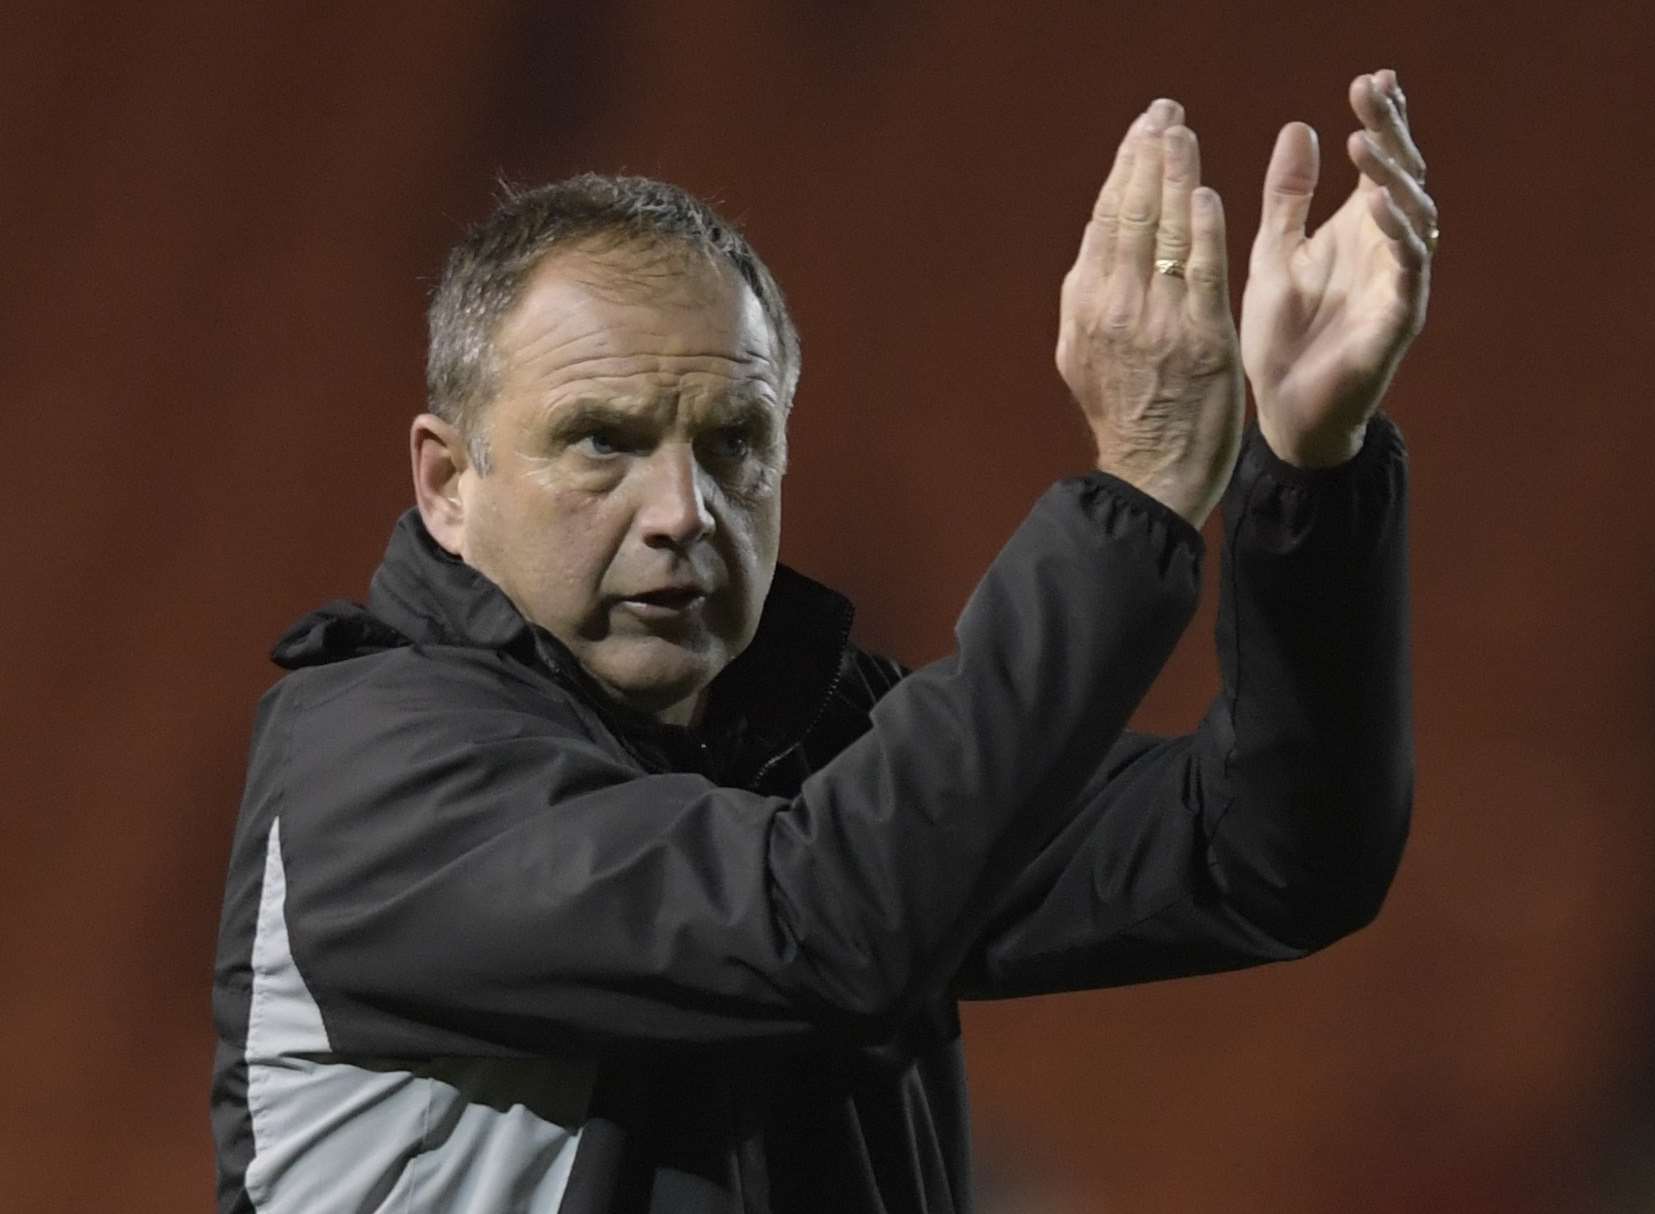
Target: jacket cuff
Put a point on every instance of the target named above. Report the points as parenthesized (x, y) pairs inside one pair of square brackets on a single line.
[(1274, 507), (1179, 530), (1257, 459)]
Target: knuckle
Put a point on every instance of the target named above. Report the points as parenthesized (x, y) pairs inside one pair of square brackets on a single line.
[(1204, 274), (1210, 355), (1113, 317), (1406, 190), (1138, 216), (1145, 342), (1118, 322), (1156, 339)]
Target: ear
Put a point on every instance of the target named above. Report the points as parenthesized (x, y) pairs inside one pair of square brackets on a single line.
[(438, 454)]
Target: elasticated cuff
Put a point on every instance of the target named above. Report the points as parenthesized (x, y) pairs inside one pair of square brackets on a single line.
[(1257, 459)]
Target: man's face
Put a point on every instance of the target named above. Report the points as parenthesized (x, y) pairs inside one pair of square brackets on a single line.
[(637, 445)]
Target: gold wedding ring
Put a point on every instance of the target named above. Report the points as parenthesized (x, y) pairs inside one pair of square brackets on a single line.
[(1431, 238), (1172, 267)]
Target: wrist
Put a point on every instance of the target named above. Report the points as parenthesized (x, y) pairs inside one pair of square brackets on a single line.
[(1311, 449), (1169, 491)]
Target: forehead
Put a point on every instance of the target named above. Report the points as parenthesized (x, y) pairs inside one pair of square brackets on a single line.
[(629, 320)]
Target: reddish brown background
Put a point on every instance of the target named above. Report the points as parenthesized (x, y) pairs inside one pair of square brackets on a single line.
[(219, 223)]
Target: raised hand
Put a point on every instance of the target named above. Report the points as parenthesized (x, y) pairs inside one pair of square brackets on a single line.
[(1325, 319), (1146, 341)]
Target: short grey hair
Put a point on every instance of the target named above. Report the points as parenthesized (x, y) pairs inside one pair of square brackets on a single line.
[(486, 272)]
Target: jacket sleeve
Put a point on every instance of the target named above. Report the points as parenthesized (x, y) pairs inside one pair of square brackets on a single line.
[(1276, 827), (467, 873)]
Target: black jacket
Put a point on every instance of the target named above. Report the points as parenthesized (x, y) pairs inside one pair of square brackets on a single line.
[(490, 943)]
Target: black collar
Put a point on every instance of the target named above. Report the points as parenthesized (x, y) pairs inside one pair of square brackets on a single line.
[(761, 704)]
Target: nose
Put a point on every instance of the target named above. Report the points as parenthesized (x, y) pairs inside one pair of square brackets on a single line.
[(674, 512)]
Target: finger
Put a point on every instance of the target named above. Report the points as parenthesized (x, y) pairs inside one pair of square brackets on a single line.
[(1180, 174), (1208, 295), (1393, 89), (1097, 246), (1289, 184), (1379, 114), (1141, 205), (1098, 242), (1405, 191), (1406, 243)]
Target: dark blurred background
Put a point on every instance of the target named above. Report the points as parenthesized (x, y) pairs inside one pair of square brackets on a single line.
[(219, 225)]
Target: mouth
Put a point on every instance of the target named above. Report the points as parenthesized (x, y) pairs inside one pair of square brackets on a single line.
[(668, 602)]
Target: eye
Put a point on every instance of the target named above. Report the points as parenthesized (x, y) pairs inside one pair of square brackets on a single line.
[(731, 443), (601, 443)]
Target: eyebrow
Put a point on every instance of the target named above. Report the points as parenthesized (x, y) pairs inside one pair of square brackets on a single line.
[(588, 413)]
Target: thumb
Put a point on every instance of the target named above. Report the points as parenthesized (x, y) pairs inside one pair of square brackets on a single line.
[(1289, 185)]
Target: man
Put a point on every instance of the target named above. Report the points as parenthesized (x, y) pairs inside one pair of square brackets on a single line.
[(590, 868)]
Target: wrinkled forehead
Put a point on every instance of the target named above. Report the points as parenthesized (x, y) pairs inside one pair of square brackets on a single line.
[(632, 269), (611, 311), (666, 276), (684, 286)]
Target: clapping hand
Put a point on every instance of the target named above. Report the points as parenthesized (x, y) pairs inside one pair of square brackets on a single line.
[(1146, 341), (1326, 318)]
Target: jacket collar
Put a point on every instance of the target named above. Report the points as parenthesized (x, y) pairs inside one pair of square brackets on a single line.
[(763, 702), (434, 598)]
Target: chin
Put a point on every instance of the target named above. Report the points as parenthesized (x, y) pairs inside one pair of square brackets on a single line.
[(654, 675)]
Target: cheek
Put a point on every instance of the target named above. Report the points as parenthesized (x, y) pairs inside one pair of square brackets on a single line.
[(752, 529), (579, 537), (550, 548), (767, 533), (753, 538)]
